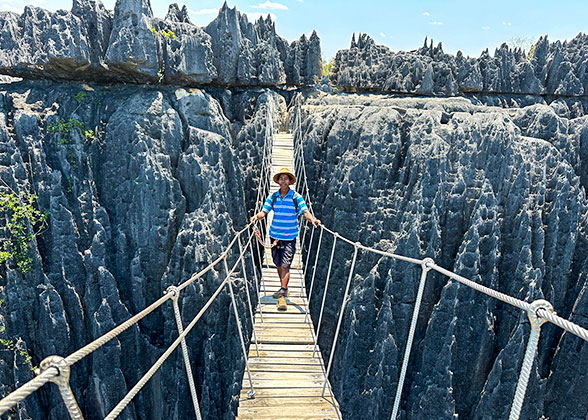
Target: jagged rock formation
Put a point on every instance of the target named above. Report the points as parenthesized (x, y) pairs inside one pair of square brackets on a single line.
[(131, 45), (495, 194), (551, 68), (149, 201)]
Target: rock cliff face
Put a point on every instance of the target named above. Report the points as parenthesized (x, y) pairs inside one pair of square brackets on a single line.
[(151, 199), (495, 194), (491, 185), (131, 45), (551, 68)]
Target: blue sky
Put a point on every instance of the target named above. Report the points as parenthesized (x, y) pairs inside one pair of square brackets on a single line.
[(469, 26)]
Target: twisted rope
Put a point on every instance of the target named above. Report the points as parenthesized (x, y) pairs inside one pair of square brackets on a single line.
[(27, 389)]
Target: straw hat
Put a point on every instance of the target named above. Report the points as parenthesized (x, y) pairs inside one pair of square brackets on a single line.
[(287, 172)]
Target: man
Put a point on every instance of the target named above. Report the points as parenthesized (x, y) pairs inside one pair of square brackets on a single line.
[(287, 206)]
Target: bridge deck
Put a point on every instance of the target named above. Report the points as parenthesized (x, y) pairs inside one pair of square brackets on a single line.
[(287, 379)]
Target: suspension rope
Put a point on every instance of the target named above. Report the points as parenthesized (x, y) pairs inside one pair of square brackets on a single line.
[(180, 327), (248, 297), (313, 274), (341, 312), (413, 323), (324, 295), (259, 306), (27, 389), (145, 378), (251, 392)]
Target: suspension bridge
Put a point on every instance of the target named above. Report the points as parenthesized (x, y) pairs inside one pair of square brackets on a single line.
[(285, 374)]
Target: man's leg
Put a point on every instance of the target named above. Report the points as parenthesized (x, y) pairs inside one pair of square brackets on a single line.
[(285, 277)]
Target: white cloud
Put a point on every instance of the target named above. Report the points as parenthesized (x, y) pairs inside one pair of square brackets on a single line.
[(507, 23), (253, 16), (10, 8), (272, 6), (437, 23), (382, 34), (426, 14), (17, 6), (203, 11), (485, 28)]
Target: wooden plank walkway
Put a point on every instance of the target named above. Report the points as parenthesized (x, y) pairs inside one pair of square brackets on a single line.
[(288, 381)]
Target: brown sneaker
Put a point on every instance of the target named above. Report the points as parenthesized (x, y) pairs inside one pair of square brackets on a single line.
[(281, 292)]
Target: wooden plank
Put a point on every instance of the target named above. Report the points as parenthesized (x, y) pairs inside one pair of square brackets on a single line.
[(277, 328), (282, 316), (289, 300), (286, 347), (280, 353), (286, 337), (294, 360), (284, 333), (290, 393), (294, 309), (281, 412), (285, 401), (296, 368), (288, 377), (284, 326), (282, 384)]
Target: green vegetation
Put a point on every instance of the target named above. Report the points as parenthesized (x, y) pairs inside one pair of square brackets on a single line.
[(9, 344), (327, 67), (531, 52), (65, 128), (525, 43), (80, 96), (169, 34), (27, 358), (23, 223)]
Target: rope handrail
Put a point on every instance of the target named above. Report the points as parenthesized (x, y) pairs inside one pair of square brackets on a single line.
[(31, 386), (100, 341), (131, 394)]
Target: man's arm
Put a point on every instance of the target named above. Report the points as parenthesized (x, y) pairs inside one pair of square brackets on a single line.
[(311, 218), (257, 217)]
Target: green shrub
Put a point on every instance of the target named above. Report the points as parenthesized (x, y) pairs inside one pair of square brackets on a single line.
[(80, 96), (327, 67), (23, 222)]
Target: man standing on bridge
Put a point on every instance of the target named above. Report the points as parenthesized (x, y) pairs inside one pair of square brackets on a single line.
[(287, 206)]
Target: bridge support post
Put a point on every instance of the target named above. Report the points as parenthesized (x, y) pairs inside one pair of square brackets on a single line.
[(341, 312), (175, 295), (306, 263), (536, 323), (426, 266), (318, 251), (248, 296), (257, 288), (62, 382), (318, 330)]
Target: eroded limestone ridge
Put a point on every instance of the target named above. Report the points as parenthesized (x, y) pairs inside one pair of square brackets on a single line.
[(550, 68), (131, 45)]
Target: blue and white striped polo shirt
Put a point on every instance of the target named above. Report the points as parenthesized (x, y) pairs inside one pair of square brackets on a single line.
[(285, 223)]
